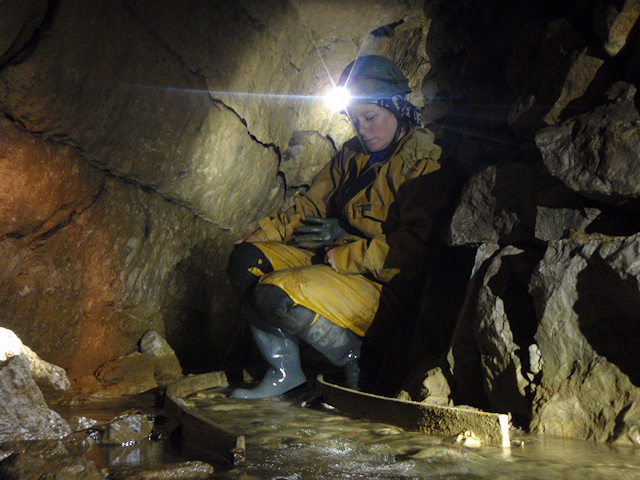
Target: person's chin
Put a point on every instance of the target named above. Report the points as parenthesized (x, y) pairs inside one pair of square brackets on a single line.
[(372, 146)]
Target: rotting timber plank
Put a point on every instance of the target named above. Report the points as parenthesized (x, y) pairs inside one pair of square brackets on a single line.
[(490, 428), (199, 435)]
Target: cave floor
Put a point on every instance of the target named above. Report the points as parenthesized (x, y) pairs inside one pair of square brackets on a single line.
[(298, 436)]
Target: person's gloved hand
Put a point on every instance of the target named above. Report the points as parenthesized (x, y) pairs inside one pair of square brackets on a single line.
[(318, 232)]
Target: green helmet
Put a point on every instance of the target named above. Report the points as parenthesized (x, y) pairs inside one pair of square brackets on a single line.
[(371, 78)]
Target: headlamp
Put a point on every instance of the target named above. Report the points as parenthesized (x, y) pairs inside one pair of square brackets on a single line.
[(338, 99)]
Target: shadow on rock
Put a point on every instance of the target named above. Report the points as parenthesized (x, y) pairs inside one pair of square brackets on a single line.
[(608, 308)]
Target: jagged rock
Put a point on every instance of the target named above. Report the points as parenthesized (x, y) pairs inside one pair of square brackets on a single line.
[(79, 423), (153, 344), (514, 202), (167, 367), (298, 169), (127, 375), (435, 388), (548, 67), (588, 306), (127, 428), (596, 154), (504, 326), (583, 74), (156, 365), (197, 141), (488, 362), (24, 413), (614, 26), (553, 223), (44, 373)]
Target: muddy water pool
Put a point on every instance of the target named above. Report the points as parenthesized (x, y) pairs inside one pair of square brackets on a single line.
[(288, 441)]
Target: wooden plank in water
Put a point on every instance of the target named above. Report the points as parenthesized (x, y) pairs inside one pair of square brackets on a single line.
[(199, 435), (489, 428)]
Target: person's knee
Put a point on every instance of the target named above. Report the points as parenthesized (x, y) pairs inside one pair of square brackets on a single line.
[(246, 255), (276, 307), (244, 258)]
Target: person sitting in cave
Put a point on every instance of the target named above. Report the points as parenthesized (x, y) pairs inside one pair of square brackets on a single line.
[(316, 272)]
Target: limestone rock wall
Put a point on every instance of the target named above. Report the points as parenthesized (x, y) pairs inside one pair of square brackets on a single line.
[(136, 109), (90, 263), (586, 293), (25, 415), (138, 139), (537, 103)]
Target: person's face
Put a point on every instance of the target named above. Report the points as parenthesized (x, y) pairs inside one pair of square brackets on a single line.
[(375, 125)]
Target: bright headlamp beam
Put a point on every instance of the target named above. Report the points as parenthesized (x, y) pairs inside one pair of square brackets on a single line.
[(338, 99)]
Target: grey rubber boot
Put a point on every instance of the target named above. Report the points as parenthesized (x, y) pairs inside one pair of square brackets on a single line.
[(282, 353), (340, 345)]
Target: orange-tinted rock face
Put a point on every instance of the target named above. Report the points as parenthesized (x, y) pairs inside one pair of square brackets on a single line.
[(90, 263), (53, 276), (41, 184)]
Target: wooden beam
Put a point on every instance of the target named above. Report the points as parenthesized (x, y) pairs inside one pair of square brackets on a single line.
[(489, 428)]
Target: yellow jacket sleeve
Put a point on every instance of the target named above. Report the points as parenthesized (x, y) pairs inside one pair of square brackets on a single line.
[(365, 256), (279, 226)]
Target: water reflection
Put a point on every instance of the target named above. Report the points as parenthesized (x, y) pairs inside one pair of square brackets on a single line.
[(156, 450), (287, 441)]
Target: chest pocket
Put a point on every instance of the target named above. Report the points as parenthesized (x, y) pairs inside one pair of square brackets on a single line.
[(367, 217), (372, 211)]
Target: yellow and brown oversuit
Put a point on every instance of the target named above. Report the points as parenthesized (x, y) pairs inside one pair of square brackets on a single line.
[(389, 221)]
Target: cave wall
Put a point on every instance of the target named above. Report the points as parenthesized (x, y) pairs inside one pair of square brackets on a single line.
[(140, 138), (537, 101), (90, 262)]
